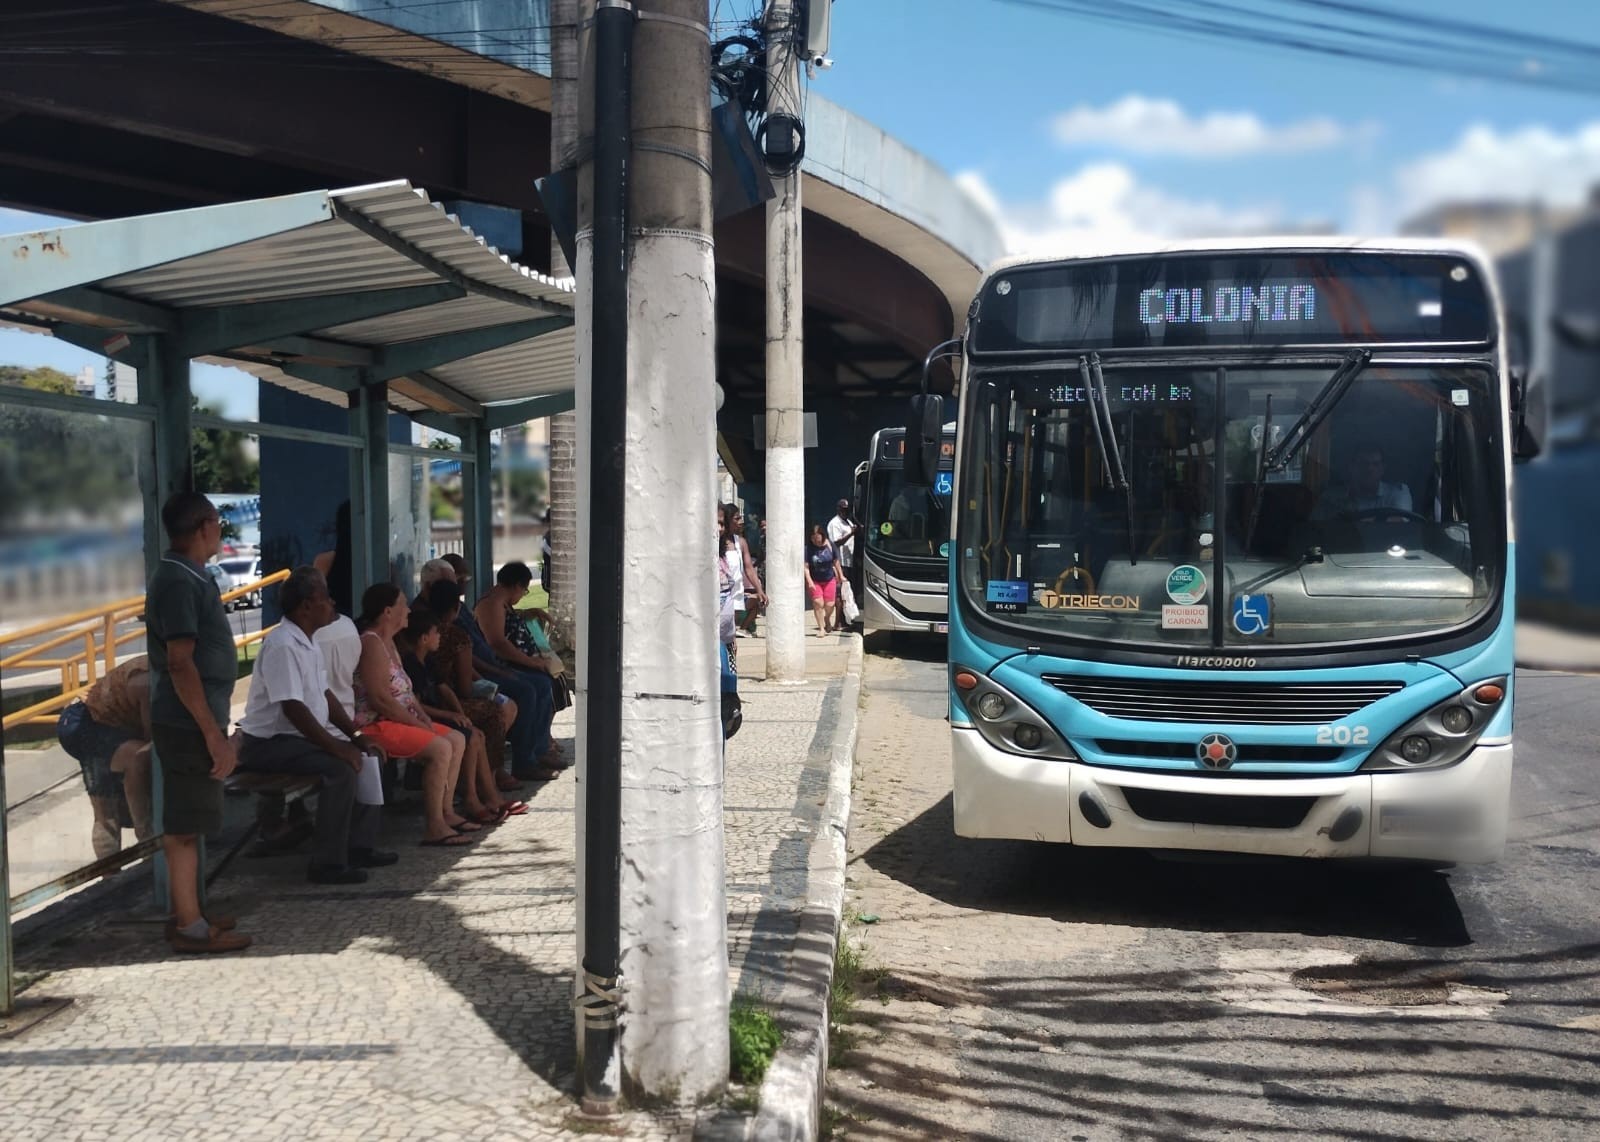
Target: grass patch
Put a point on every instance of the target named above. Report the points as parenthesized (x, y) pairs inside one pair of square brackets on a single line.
[(753, 1039)]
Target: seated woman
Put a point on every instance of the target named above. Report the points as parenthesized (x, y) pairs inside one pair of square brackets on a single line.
[(508, 636), (388, 712), (451, 667), (479, 795), (107, 733)]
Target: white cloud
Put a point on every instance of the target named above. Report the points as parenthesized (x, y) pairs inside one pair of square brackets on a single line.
[(1527, 164), (1104, 206), (1139, 125)]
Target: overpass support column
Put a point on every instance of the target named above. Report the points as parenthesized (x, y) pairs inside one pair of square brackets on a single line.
[(786, 458), (369, 489)]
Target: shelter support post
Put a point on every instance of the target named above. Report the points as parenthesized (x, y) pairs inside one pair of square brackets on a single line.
[(478, 506), (164, 387), (8, 991), (369, 498)]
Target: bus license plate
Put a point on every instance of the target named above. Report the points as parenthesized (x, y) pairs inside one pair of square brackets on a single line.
[(941, 628)]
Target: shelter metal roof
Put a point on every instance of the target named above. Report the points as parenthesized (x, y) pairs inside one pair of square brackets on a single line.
[(318, 292)]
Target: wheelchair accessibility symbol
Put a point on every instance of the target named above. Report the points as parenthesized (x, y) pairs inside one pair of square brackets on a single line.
[(944, 483), (1252, 614)]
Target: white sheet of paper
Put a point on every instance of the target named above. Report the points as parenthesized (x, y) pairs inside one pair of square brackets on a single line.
[(369, 782)]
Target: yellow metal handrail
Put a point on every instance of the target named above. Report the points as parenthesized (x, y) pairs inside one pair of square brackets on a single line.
[(97, 630)]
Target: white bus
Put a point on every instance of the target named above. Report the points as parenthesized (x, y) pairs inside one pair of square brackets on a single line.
[(906, 544)]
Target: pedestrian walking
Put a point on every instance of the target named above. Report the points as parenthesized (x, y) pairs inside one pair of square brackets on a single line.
[(842, 533), (823, 573)]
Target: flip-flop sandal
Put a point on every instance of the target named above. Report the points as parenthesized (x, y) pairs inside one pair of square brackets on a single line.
[(487, 816), (514, 809), (453, 841), (468, 827)]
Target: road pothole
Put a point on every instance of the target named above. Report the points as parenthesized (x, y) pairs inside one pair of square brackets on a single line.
[(1384, 984), (1305, 980)]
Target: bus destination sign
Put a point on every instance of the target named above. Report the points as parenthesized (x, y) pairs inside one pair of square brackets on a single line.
[(1234, 299)]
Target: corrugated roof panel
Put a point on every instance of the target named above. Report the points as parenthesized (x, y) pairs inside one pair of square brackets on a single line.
[(380, 237)]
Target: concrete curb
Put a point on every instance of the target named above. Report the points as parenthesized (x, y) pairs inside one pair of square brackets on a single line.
[(791, 1095)]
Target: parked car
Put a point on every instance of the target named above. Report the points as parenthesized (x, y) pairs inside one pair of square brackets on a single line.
[(240, 571), (219, 577)]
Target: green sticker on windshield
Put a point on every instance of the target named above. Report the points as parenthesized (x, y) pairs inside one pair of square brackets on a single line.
[(886, 529), (944, 551), (1186, 585)]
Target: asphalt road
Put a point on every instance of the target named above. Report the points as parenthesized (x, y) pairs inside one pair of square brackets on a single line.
[(1019, 991)]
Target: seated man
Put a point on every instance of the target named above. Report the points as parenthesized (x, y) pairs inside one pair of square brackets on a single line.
[(107, 732), (294, 724), (1364, 488), (506, 632)]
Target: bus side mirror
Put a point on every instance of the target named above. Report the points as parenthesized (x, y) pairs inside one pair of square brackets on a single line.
[(924, 432), (1529, 414)]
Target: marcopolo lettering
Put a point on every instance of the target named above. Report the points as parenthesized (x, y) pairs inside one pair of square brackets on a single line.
[(1216, 663), (1296, 302)]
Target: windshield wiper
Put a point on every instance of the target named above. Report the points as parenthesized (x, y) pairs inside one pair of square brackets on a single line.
[(1320, 408), (1110, 451)]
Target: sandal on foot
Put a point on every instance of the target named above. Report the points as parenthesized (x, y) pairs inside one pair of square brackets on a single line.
[(514, 809), (453, 841)]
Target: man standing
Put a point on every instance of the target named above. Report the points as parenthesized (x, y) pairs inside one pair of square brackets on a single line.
[(842, 534), (294, 724), (193, 666)]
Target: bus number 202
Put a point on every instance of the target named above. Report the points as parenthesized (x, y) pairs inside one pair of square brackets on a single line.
[(1342, 735)]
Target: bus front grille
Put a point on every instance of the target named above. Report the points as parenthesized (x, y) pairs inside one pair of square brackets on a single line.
[(1227, 811), (1247, 751), (1222, 703)]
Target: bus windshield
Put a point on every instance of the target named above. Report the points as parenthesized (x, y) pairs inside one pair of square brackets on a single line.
[(1169, 506), (906, 521)]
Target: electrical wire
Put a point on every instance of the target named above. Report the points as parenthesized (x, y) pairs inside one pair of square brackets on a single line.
[(1348, 30)]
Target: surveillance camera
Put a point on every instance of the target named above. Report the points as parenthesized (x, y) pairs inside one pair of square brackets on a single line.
[(822, 63)]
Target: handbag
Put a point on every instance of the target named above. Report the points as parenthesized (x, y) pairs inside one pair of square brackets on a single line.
[(847, 597), (560, 692)]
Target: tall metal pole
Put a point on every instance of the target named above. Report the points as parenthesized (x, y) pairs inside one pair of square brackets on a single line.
[(8, 989), (605, 401), (786, 462)]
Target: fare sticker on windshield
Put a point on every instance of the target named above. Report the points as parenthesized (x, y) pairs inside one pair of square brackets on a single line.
[(1185, 618), (1186, 585), (1007, 596)]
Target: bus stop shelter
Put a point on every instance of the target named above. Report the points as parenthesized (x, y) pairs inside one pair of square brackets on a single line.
[(373, 298)]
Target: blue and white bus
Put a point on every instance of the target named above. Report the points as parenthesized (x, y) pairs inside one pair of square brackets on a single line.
[(906, 544), (1231, 567)]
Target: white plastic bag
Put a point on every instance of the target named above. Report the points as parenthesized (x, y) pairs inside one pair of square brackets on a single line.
[(848, 597)]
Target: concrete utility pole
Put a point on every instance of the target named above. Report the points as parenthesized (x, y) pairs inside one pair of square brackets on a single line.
[(786, 456), (563, 454), (649, 643)]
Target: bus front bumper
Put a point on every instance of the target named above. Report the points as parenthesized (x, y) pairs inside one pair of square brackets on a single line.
[(930, 617), (1456, 814)]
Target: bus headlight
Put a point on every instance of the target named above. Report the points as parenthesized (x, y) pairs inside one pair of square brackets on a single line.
[(874, 583), (1443, 735), (1005, 721)]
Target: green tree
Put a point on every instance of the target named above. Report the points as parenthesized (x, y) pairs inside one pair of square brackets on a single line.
[(41, 378), (223, 461)]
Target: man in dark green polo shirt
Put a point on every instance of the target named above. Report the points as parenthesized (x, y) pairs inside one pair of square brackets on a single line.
[(193, 665)]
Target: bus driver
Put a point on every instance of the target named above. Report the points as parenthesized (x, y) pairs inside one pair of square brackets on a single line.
[(1364, 488)]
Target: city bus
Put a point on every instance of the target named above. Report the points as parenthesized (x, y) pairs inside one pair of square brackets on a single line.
[(1232, 559), (906, 545)]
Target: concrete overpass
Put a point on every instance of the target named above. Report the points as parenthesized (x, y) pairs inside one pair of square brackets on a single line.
[(165, 104)]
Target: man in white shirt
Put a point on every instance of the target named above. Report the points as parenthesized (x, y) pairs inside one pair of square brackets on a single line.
[(842, 534), (294, 723)]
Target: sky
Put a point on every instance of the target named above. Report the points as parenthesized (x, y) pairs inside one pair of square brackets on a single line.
[(1065, 127)]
